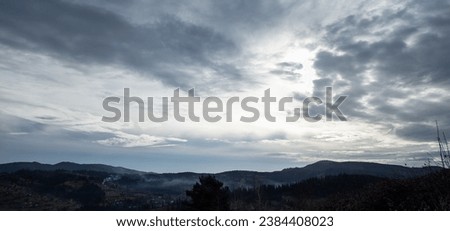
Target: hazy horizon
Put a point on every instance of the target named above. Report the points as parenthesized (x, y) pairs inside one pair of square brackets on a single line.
[(61, 58)]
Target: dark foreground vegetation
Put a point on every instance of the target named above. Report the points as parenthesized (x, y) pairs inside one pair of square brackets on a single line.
[(351, 192), (89, 190)]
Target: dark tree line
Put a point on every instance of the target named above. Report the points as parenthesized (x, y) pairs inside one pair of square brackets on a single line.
[(65, 190), (342, 192)]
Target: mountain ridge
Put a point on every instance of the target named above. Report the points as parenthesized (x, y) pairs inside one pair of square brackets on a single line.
[(235, 178), (65, 165), (175, 184)]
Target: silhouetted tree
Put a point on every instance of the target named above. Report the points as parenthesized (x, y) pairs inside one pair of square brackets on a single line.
[(209, 194)]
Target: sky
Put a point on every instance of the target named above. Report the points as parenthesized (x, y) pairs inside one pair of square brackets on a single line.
[(60, 59)]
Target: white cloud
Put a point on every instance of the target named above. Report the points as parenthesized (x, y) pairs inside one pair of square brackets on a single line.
[(129, 141)]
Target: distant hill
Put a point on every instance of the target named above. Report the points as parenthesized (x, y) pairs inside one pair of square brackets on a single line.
[(322, 169), (68, 166), (331, 168)]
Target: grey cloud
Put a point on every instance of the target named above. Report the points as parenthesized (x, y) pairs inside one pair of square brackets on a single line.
[(328, 63), (320, 85), (406, 51), (293, 65), (47, 132), (13, 124), (288, 70), (418, 132), (250, 15), (418, 110), (352, 106), (89, 34), (422, 61), (46, 117)]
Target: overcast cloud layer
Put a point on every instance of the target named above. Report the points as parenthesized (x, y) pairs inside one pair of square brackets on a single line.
[(60, 58)]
